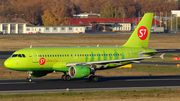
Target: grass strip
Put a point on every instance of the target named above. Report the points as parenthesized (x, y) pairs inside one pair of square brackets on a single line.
[(15, 42), (95, 95)]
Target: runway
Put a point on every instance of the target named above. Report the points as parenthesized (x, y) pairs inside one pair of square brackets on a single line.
[(5, 54), (104, 83)]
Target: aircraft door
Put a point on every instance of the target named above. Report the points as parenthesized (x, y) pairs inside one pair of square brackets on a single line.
[(35, 56), (128, 53)]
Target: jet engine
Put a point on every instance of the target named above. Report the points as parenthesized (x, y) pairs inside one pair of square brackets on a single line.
[(40, 73), (79, 71)]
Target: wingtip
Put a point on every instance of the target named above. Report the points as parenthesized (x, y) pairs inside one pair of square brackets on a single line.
[(162, 56)]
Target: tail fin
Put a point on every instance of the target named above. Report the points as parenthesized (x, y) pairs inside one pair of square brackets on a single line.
[(140, 36)]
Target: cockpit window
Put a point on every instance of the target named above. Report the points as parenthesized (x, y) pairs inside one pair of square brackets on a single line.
[(15, 55), (23, 55), (18, 55)]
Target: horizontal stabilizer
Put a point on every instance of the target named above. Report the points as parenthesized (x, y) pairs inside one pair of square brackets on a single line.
[(162, 51)]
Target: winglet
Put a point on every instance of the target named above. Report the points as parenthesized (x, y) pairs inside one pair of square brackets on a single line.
[(162, 56)]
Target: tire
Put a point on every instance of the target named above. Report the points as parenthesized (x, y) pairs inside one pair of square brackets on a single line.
[(90, 78), (28, 80), (95, 79), (68, 77), (63, 77)]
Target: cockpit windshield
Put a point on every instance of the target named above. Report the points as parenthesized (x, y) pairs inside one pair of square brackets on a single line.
[(18, 55), (23, 55), (14, 55)]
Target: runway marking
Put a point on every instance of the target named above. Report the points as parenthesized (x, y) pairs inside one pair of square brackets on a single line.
[(15, 83), (150, 79)]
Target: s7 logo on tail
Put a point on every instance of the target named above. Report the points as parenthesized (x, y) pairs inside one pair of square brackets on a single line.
[(142, 32)]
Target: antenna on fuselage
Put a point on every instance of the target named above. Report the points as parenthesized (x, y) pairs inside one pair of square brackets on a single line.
[(31, 46), (116, 45), (98, 45)]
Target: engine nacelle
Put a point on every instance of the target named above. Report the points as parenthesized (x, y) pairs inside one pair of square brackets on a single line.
[(79, 71), (40, 73)]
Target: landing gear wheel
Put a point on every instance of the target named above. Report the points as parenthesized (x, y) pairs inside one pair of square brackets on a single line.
[(90, 78), (93, 78), (63, 77), (66, 77), (29, 76), (28, 80)]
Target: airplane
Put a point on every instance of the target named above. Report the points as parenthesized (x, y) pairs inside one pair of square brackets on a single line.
[(80, 62)]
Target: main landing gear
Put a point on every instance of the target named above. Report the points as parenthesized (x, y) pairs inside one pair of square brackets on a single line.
[(29, 77), (93, 78), (66, 77)]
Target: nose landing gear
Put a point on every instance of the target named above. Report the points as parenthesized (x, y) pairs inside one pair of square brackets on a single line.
[(29, 77)]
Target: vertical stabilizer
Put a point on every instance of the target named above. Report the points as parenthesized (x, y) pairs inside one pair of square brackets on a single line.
[(140, 36)]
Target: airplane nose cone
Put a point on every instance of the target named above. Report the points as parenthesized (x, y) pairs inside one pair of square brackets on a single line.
[(8, 63)]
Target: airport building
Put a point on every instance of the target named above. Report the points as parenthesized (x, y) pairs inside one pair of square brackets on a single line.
[(14, 25), (175, 13), (20, 26), (110, 24), (77, 25), (55, 29)]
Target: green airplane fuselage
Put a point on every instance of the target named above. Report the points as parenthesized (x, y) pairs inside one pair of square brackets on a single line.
[(56, 58)]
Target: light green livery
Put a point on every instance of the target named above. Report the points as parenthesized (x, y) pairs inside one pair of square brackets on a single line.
[(134, 40), (81, 62)]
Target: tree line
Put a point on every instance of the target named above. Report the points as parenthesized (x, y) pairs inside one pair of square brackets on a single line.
[(59, 12)]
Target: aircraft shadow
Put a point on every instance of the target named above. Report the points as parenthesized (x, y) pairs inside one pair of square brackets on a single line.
[(105, 79)]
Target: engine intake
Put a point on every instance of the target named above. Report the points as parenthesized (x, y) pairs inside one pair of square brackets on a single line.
[(79, 71)]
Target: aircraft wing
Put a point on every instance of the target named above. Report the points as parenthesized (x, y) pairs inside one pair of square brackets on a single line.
[(108, 61)]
